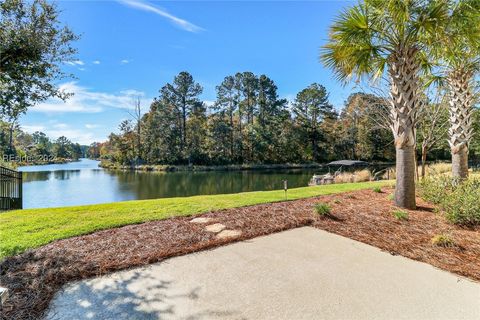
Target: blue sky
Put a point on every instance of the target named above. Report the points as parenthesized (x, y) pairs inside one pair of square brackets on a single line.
[(132, 48)]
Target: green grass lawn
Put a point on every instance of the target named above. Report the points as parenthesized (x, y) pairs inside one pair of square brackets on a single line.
[(24, 229)]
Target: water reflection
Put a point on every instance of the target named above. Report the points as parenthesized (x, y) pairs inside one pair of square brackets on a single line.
[(147, 185), (84, 183)]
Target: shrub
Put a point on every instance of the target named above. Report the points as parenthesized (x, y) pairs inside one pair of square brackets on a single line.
[(434, 188), (443, 240), (438, 168), (459, 200), (344, 177), (391, 197), (377, 189), (5, 164), (323, 209), (400, 214), (462, 205), (356, 176), (430, 170)]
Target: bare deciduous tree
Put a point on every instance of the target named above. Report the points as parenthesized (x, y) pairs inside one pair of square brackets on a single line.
[(137, 115)]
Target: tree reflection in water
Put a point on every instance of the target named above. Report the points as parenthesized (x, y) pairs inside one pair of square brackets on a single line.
[(84, 183)]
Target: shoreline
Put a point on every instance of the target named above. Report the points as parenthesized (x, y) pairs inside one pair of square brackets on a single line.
[(108, 165), (13, 165), (204, 168), (44, 163)]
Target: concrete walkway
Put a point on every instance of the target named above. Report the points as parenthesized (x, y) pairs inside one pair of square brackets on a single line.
[(304, 273)]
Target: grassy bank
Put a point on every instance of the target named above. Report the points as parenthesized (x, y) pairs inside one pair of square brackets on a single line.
[(25, 229)]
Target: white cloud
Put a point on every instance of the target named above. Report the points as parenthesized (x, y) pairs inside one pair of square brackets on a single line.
[(75, 63), (290, 100), (81, 69), (60, 126), (96, 62), (75, 135), (184, 24), (125, 61), (92, 126), (86, 101), (33, 128), (209, 103), (132, 92)]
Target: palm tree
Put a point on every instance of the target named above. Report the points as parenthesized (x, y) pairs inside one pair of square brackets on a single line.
[(460, 53), (389, 37)]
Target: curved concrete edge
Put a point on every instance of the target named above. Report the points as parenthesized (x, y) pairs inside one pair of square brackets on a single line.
[(304, 273)]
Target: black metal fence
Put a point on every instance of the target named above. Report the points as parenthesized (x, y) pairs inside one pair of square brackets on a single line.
[(10, 189)]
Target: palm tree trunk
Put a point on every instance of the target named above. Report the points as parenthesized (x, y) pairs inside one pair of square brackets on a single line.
[(403, 69), (461, 111), (405, 183), (460, 164)]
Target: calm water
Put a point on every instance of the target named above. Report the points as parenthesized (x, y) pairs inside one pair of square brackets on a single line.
[(83, 182)]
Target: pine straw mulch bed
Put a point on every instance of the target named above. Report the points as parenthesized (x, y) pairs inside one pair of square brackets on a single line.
[(35, 276)]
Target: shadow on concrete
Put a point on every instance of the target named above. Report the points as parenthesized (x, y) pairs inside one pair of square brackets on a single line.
[(118, 300)]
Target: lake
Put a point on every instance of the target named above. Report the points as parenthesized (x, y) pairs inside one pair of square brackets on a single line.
[(83, 182)]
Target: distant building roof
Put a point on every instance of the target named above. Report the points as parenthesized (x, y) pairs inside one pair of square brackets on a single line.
[(348, 163)]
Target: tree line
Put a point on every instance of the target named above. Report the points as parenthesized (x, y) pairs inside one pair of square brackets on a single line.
[(34, 46), (37, 147), (249, 123), (407, 46)]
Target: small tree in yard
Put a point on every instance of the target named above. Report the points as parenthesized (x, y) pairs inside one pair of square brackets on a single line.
[(460, 52), (33, 44), (432, 127), (389, 36)]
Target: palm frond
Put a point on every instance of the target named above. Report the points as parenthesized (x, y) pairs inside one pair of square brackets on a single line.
[(363, 37)]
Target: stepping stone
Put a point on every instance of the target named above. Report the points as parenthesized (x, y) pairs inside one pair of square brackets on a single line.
[(201, 220), (217, 227), (229, 234)]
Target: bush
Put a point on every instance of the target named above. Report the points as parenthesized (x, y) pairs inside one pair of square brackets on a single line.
[(462, 205), (377, 189), (438, 168), (357, 176), (8, 165), (443, 240), (433, 189), (430, 170), (323, 209), (459, 200), (400, 214)]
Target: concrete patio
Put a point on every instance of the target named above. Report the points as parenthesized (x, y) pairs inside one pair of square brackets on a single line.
[(303, 273)]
